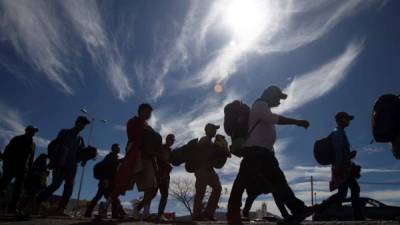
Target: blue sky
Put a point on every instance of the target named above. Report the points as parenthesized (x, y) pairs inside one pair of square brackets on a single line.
[(109, 56)]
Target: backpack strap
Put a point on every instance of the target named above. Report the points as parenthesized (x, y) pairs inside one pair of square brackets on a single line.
[(253, 127)]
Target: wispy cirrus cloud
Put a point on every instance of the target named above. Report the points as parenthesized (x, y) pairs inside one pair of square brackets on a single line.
[(282, 32), (189, 60), (90, 27), (47, 35), (12, 124), (37, 37), (320, 81), (170, 54)]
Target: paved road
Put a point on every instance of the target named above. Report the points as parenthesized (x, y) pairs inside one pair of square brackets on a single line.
[(74, 221)]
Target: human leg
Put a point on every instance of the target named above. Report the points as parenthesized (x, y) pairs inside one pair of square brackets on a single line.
[(58, 178), (249, 202), (200, 187), (238, 187), (18, 185), (355, 199), (68, 188), (163, 186), (216, 188), (97, 197)]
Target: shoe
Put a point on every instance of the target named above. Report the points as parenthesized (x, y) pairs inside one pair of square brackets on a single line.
[(298, 217), (162, 218), (233, 217)]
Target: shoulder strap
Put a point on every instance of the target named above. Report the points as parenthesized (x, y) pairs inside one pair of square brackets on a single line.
[(252, 128)]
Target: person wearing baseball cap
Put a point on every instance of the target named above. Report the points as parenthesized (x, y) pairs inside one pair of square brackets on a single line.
[(211, 129), (206, 176), (31, 129), (343, 118), (18, 159), (343, 175), (64, 163), (259, 158)]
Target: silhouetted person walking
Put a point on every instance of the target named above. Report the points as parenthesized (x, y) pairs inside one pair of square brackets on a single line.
[(135, 168), (259, 158), (105, 171), (206, 176), (18, 158), (163, 176), (63, 161), (344, 172)]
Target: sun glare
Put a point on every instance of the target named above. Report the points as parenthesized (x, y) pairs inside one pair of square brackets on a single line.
[(246, 18)]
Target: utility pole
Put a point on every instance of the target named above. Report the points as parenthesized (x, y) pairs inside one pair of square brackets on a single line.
[(312, 190)]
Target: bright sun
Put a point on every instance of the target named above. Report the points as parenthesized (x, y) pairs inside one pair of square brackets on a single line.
[(246, 18)]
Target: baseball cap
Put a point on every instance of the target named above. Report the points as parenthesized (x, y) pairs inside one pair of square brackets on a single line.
[(272, 92), (32, 128), (211, 126), (82, 119), (341, 115)]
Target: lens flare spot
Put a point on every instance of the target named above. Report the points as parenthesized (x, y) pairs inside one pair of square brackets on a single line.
[(218, 88)]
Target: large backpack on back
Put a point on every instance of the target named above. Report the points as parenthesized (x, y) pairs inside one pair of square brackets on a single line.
[(324, 151), (53, 150), (103, 169), (189, 154), (179, 155), (100, 170), (386, 118), (236, 119), (151, 143)]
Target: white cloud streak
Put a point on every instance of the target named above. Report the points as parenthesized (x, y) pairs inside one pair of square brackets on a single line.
[(320, 81), (37, 37), (41, 34), (12, 124), (87, 21), (281, 33)]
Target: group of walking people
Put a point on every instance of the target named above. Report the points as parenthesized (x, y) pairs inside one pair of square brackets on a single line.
[(147, 164)]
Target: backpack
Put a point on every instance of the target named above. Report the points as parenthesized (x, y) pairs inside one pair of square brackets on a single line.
[(236, 118), (386, 118), (102, 170), (98, 170), (180, 155), (188, 154), (324, 151), (52, 151), (151, 143), (87, 154)]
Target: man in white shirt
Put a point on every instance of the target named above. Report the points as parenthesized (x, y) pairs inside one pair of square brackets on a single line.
[(259, 158)]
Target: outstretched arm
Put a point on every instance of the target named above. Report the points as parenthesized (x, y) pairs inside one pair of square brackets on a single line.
[(289, 121)]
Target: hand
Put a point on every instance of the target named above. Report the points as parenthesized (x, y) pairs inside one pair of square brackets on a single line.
[(303, 123), (353, 154)]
